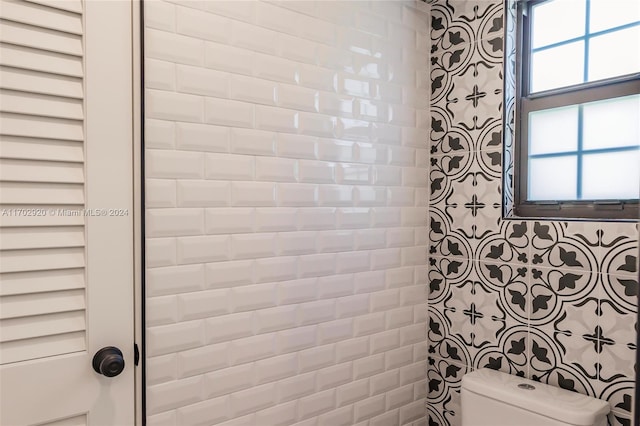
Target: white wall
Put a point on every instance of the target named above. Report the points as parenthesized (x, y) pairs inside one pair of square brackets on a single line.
[(286, 172)]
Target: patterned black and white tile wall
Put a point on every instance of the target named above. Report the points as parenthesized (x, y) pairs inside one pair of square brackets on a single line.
[(548, 300)]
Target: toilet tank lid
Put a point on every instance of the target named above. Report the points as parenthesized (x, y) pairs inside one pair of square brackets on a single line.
[(559, 404)]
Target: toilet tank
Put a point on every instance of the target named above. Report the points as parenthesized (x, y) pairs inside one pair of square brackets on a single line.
[(492, 398)]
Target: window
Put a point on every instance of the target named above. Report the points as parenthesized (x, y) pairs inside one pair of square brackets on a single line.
[(577, 110)]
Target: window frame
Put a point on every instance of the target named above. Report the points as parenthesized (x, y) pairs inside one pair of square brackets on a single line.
[(526, 102)]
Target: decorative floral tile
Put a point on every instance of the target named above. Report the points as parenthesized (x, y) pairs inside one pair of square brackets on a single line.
[(439, 287), (486, 170), (445, 241), (437, 416), (554, 246), (589, 233), (473, 116), (544, 303), (507, 179), (508, 353), (450, 64), (487, 94), (555, 301), (614, 360), (449, 17), (487, 220), (619, 249), (570, 366), (447, 137), (465, 186), (543, 366), (491, 35), (477, 19), (487, 327), (473, 307), (465, 107), (462, 191), (462, 321), (447, 142), (444, 381), (511, 285), (443, 340), (618, 390), (464, 219), (444, 171), (564, 300), (509, 243), (564, 377), (579, 352), (485, 203), (618, 419), (466, 92), (439, 130), (578, 318), (446, 276), (621, 292), (569, 285), (617, 324), (490, 139), (509, 74), (489, 155)]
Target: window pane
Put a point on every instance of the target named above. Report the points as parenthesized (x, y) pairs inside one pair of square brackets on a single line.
[(556, 21), (557, 67), (553, 178), (614, 175), (607, 14), (554, 130), (612, 123), (614, 54)]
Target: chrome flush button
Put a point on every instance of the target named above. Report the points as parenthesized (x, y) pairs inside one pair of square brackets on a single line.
[(526, 386)]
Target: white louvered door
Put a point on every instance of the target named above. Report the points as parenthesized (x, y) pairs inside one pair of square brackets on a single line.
[(66, 219)]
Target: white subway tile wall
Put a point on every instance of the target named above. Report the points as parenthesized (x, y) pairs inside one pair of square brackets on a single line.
[(286, 251)]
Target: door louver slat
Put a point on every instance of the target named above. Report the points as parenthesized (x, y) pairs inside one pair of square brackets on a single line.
[(40, 347), (41, 105), (41, 260), (41, 282), (38, 238), (38, 82), (70, 421), (41, 16), (41, 193), (65, 216), (25, 305), (42, 325), (39, 38), (19, 148), (40, 60), (40, 171), (41, 127), (68, 5), (42, 181)]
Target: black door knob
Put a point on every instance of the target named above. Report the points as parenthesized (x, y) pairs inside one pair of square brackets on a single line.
[(108, 361)]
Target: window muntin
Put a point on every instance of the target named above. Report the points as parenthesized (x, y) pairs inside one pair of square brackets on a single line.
[(544, 73), (567, 144), (553, 15), (612, 13), (553, 130), (564, 34), (622, 114), (578, 109)]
